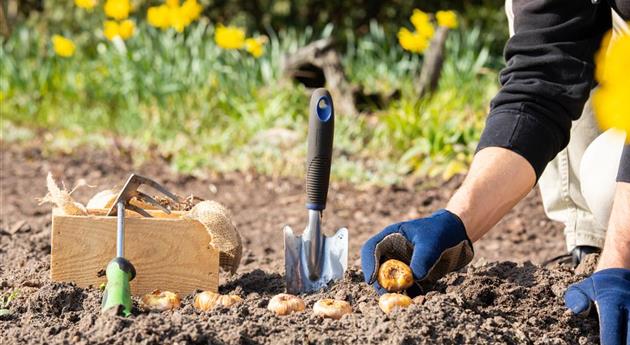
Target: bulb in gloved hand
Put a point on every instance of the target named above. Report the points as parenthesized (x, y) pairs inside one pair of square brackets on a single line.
[(160, 301), (390, 301), (394, 276), (207, 300), (285, 304), (331, 308)]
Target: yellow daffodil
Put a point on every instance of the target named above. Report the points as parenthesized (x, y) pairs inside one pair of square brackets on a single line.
[(117, 9), (86, 4), (447, 19), (110, 29), (426, 30), (419, 19), (418, 40), (611, 100), (159, 16), (192, 9), (63, 47), (229, 37), (178, 18), (256, 46), (126, 28), (171, 14), (414, 42), (422, 23)]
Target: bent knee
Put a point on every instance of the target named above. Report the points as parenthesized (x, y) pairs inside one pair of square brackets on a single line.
[(598, 171)]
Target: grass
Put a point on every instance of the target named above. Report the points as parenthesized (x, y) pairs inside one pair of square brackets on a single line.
[(206, 108)]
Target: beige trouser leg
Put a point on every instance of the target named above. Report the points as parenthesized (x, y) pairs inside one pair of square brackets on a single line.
[(561, 190), (598, 172), (560, 185)]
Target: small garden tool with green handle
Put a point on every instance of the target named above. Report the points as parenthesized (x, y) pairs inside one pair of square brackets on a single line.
[(120, 272)]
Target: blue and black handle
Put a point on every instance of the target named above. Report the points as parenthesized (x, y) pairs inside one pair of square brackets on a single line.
[(321, 127)]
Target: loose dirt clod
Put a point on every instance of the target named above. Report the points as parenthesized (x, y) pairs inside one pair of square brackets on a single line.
[(395, 276), (160, 301), (285, 304), (419, 300), (207, 300), (331, 308), (390, 301)]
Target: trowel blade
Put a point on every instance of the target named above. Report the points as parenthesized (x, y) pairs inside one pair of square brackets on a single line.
[(334, 261)]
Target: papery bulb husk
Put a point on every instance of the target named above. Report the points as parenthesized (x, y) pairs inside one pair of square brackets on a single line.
[(390, 301), (285, 304), (208, 300), (160, 301), (102, 200), (62, 200), (331, 308)]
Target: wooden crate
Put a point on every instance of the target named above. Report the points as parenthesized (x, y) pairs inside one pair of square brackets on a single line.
[(168, 253)]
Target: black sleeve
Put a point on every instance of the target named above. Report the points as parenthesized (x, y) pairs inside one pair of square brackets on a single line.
[(548, 77), (624, 166)]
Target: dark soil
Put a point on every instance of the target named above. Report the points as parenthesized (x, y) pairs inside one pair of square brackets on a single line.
[(492, 301)]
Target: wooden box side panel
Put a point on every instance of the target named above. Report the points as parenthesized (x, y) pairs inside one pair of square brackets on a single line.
[(168, 254)]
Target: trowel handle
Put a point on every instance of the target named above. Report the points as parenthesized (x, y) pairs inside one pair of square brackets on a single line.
[(321, 127)]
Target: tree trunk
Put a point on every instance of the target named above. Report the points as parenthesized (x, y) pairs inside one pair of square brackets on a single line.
[(432, 65), (318, 59)]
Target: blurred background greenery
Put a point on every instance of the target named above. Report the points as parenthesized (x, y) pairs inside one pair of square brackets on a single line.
[(182, 95)]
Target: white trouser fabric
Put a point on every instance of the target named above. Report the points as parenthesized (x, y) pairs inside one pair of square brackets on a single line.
[(578, 186)]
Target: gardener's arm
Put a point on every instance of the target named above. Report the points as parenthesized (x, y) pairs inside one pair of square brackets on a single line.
[(616, 253), (609, 287), (497, 180), (547, 80)]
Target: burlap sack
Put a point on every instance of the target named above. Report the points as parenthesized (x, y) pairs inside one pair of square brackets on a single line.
[(218, 221), (62, 200)]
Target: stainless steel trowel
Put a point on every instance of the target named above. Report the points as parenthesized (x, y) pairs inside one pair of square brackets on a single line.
[(312, 260)]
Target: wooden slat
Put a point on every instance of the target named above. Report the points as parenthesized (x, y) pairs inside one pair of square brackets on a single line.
[(168, 254), (131, 214)]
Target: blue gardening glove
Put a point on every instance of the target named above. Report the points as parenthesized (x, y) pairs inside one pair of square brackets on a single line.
[(610, 291), (432, 247)]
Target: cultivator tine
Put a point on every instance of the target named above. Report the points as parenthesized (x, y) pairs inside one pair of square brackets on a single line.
[(130, 190), (149, 200), (158, 187), (139, 210)]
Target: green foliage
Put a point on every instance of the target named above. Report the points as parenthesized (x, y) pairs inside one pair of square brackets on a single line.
[(207, 108), (5, 301)]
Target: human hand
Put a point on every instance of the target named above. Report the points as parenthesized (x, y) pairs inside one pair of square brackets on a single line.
[(609, 290), (432, 247)]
